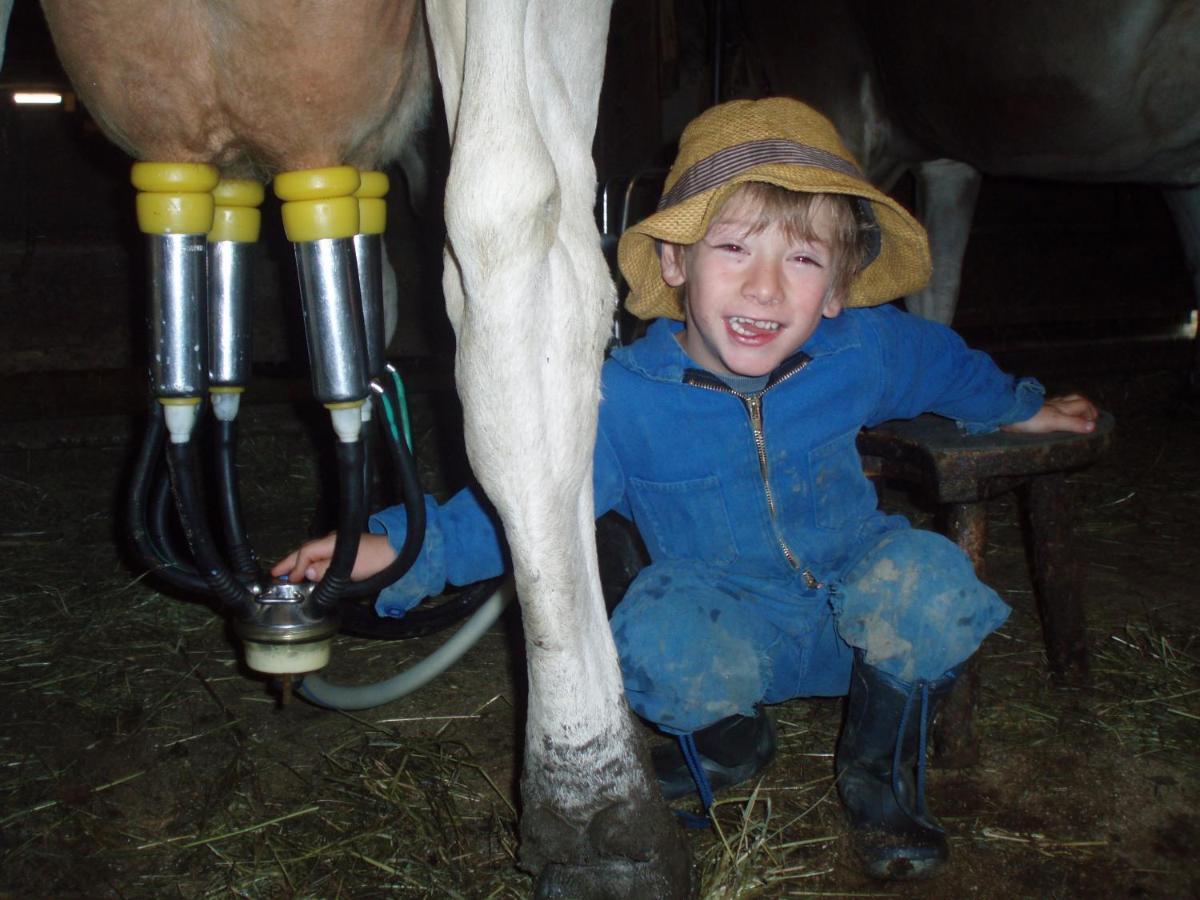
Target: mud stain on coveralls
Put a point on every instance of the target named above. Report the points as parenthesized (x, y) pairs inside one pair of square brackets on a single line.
[(700, 688), (686, 663), (881, 642), (914, 606)]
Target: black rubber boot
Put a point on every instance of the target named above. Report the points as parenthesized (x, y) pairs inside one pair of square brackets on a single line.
[(880, 771), (731, 751)]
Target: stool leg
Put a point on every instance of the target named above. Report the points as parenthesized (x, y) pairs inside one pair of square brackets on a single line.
[(966, 525), (1057, 578), (955, 744)]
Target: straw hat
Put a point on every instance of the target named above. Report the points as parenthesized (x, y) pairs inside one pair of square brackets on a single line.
[(783, 142)]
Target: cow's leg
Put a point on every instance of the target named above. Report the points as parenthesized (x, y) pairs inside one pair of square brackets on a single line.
[(5, 11), (1184, 204), (946, 194), (531, 314)]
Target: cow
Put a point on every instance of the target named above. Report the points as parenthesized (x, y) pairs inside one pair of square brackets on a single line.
[(1094, 91), (5, 12), (263, 87)]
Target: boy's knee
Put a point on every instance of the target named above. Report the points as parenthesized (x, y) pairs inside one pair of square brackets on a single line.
[(684, 661), (914, 605), (908, 567), (694, 686)]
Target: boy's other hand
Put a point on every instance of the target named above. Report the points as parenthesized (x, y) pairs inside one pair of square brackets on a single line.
[(1070, 412), (311, 560)]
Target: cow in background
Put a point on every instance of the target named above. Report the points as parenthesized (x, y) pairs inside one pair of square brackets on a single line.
[(5, 12), (1093, 91)]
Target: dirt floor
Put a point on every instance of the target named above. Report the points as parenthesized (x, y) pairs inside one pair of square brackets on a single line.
[(139, 759)]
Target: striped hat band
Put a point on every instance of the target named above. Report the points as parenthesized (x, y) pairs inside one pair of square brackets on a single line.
[(714, 171)]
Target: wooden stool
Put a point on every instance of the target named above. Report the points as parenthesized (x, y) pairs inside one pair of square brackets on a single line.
[(961, 473)]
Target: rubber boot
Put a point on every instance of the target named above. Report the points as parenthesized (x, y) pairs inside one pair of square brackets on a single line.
[(881, 773), (730, 751)]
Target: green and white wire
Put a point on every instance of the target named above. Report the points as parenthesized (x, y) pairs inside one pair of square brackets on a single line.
[(402, 400)]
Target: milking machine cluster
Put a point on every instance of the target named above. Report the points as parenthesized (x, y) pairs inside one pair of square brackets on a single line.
[(200, 232)]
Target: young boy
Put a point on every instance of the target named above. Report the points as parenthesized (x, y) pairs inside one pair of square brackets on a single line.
[(727, 434)]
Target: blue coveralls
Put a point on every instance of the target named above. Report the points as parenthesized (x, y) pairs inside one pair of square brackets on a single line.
[(769, 557)]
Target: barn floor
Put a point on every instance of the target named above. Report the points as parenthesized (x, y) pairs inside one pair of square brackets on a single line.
[(138, 759)]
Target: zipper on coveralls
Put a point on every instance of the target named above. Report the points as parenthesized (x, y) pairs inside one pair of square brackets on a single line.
[(753, 405)]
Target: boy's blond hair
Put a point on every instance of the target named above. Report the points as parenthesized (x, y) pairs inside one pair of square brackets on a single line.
[(849, 240)]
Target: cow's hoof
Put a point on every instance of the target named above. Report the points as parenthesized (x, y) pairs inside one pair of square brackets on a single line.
[(615, 880), (628, 848)]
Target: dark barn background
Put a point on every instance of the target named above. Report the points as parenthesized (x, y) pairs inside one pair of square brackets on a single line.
[(1068, 267), (137, 759)]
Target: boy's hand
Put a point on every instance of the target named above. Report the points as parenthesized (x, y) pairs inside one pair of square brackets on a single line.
[(1070, 412), (312, 559)]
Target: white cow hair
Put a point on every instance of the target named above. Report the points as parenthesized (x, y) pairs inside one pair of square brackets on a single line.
[(530, 300), (6, 7)]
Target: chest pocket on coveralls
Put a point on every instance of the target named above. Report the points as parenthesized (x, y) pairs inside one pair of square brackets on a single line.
[(840, 491), (683, 519)]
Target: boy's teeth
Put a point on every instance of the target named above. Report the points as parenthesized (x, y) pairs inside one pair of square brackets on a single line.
[(739, 323)]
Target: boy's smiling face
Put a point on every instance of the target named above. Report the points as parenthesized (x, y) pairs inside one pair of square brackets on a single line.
[(753, 295)]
